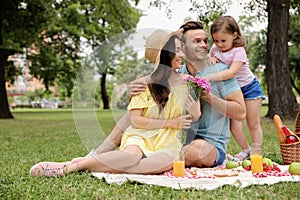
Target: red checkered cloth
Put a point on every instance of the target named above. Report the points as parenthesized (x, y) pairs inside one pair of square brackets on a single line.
[(170, 174), (271, 173)]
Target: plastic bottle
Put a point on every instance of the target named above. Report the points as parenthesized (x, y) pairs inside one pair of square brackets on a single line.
[(289, 137)]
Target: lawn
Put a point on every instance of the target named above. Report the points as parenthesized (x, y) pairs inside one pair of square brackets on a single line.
[(40, 135)]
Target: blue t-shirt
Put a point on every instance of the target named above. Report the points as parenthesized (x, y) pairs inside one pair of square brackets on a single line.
[(212, 126)]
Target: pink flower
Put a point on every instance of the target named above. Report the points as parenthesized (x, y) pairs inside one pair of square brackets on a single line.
[(187, 78), (197, 85)]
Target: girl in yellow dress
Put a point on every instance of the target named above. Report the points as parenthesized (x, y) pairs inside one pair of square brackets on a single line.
[(158, 116)]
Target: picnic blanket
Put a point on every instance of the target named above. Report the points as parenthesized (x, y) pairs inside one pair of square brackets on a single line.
[(203, 181)]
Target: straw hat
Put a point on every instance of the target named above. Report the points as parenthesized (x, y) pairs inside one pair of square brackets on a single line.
[(155, 42)]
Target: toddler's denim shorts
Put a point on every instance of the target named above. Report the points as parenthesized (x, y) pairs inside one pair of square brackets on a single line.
[(253, 91)]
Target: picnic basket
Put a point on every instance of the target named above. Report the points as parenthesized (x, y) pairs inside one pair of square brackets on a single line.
[(291, 152)]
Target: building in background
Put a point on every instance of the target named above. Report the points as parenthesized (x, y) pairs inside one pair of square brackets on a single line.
[(25, 83)]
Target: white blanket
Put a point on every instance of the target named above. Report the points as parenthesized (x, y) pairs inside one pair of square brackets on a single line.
[(242, 180)]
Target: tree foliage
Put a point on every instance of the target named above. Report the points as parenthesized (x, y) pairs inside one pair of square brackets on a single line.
[(20, 23), (52, 34)]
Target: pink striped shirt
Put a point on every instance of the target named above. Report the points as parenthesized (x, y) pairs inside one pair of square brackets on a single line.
[(245, 75)]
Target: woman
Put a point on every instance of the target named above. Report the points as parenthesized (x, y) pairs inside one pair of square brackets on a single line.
[(157, 115)]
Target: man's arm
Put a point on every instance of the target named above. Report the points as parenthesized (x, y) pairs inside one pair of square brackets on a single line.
[(232, 106), (138, 85)]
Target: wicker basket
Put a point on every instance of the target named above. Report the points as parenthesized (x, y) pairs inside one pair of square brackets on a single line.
[(291, 152)]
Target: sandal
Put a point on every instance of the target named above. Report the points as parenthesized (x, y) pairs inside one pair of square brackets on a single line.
[(48, 169), (241, 156)]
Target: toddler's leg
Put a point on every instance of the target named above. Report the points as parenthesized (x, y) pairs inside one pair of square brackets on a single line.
[(253, 120), (236, 128)]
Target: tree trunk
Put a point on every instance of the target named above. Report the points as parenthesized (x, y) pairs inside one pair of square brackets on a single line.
[(282, 101), (4, 106), (105, 98)]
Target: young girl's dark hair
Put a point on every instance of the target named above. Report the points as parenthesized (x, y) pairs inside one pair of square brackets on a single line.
[(229, 25), (159, 86)]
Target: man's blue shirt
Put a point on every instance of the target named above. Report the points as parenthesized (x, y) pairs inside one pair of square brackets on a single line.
[(212, 126)]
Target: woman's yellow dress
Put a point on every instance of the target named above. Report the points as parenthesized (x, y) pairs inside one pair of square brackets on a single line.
[(168, 140)]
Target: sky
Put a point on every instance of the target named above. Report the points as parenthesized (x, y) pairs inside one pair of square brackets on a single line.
[(157, 18)]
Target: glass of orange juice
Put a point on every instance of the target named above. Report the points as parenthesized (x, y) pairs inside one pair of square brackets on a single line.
[(179, 166), (256, 158)]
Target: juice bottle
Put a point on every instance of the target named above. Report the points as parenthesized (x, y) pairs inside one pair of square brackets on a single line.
[(289, 138)]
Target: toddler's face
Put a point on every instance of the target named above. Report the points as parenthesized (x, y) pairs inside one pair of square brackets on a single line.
[(224, 40)]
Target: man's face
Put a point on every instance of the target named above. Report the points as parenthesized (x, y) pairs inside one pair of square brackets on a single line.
[(196, 45)]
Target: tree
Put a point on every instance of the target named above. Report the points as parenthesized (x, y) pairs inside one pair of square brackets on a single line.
[(20, 24), (119, 25), (55, 31), (282, 100), (96, 22)]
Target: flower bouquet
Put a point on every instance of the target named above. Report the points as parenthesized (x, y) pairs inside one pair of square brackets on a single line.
[(197, 85)]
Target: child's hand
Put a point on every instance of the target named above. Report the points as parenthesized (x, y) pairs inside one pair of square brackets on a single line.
[(207, 77), (213, 60)]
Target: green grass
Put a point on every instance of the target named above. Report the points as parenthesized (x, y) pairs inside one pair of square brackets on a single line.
[(40, 135)]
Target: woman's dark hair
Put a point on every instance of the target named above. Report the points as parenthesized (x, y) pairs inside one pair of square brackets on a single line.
[(159, 86)]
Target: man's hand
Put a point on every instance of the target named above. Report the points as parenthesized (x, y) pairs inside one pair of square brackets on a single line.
[(138, 85)]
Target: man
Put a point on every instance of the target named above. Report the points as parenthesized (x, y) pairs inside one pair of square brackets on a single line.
[(208, 147)]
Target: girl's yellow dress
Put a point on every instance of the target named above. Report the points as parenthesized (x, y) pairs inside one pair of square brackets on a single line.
[(168, 140)]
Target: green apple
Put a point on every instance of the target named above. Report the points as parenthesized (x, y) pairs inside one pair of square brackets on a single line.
[(231, 164), (245, 163), (294, 168), (268, 161)]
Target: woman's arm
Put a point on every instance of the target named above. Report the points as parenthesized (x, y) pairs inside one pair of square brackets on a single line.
[(141, 122)]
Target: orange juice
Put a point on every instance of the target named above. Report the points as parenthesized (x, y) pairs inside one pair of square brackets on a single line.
[(256, 163), (178, 168)]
